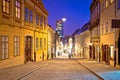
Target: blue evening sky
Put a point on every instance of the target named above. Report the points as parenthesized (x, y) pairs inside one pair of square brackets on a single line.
[(76, 11)]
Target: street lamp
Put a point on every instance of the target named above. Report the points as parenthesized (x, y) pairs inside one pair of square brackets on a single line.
[(64, 19)]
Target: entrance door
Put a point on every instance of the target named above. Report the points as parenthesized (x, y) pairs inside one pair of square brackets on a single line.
[(28, 48)]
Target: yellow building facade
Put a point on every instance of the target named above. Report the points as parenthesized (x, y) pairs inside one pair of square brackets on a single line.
[(107, 33), (23, 32), (117, 33), (51, 42), (95, 29)]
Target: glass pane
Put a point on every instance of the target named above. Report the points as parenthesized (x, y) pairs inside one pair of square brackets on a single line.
[(6, 39), (16, 3), (7, 7), (6, 45), (7, 53), (3, 2), (3, 53), (16, 12), (19, 4), (3, 45), (3, 39)]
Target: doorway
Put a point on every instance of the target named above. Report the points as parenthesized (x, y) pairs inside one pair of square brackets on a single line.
[(28, 48)]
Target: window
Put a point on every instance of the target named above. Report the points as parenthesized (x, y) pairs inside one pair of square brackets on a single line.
[(37, 19), (40, 43), (106, 3), (41, 19), (26, 14), (36, 43), (6, 6), (118, 4), (17, 9), (16, 46), (4, 50), (31, 16), (44, 42), (111, 1), (106, 26)]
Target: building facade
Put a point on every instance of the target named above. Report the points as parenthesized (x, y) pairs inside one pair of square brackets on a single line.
[(51, 42), (117, 32), (23, 32), (95, 29), (107, 33), (85, 41)]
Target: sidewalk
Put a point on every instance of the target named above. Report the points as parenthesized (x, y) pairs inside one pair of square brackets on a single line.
[(107, 72), (17, 72)]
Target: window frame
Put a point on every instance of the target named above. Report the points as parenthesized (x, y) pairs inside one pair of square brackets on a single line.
[(37, 19), (4, 48), (7, 8), (18, 7), (16, 46), (106, 3), (26, 14), (36, 44), (31, 16)]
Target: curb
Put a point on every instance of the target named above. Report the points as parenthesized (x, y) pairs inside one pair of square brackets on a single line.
[(101, 78)]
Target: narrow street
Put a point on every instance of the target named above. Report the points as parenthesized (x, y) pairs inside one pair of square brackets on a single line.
[(61, 69), (57, 69)]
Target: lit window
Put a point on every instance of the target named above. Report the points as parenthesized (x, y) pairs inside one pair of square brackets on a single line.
[(26, 14), (17, 9), (37, 19), (106, 3), (36, 43), (6, 6), (4, 42), (16, 46), (31, 16), (111, 1)]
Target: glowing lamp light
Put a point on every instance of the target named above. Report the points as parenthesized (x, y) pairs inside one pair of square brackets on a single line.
[(64, 19)]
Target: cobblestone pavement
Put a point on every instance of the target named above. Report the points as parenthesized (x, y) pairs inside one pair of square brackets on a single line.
[(58, 69)]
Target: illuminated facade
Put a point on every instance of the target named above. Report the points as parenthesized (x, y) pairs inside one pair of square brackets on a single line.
[(107, 33), (51, 42), (117, 33), (23, 32), (95, 29), (85, 41)]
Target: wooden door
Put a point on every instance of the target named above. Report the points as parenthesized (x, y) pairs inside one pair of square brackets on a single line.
[(28, 48)]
